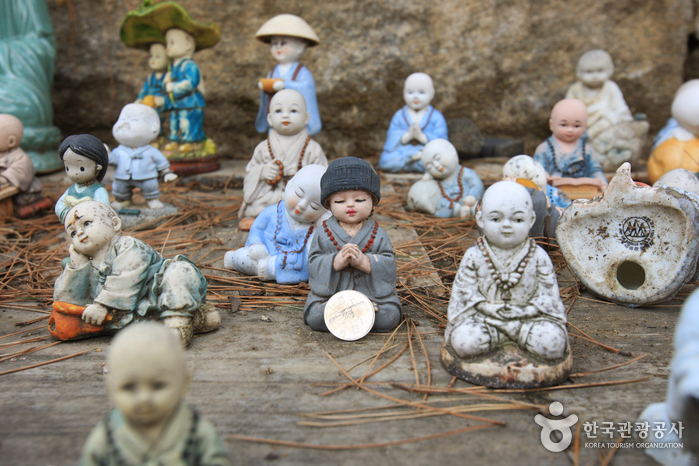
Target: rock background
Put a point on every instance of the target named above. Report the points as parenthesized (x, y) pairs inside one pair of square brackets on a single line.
[(501, 63)]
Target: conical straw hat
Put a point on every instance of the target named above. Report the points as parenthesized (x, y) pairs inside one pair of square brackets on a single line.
[(287, 25)]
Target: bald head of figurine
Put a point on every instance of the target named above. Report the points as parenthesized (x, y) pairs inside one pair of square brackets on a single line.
[(302, 194), (287, 112), (568, 120), (595, 67), (440, 158), (684, 107), (138, 125), (158, 60), (91, 226), (523, 166), (179, 44), (147, 374), (11, 132), (506, 215), (418, 91)]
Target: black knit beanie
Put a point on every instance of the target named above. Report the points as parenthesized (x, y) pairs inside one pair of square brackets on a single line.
[(349, 173)]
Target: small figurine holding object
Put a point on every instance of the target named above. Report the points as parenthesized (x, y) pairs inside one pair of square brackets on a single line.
[(153, 92), (86, 161), (350, 251), (287, 149), (677, 145), (189, 150), (147, 380), (565, 156), (611, 129), (276, 246), (289, 37), (412, 127), (675, 423), (507, 324), (448, 189), (17, 177), (114, 280), (138, 164)]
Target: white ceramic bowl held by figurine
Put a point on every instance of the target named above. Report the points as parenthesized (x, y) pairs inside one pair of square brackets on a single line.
[(634, 245)]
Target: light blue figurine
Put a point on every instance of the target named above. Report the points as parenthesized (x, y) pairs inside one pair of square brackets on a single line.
[(86, 161), (138, 164), (277, 246), (289, 37), (448, 189), (413, 126)]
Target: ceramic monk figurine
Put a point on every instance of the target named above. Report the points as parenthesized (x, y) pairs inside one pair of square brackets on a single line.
[(138, 164), (147, 380), (566, 156), (413, 126), (276, 248), (86, 161), (289, 36), (523, 166), (286, 150), (114, 280), (17, 170), (677, 145), (448, 189), (505, 308), (350, 251), (611, 129)]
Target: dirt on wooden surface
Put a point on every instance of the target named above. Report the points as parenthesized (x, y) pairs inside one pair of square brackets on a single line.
[(265, 376)]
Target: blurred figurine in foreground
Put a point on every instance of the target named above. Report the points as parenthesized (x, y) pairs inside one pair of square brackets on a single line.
[(677, 145), (114, 280), (287, 149), (147, 380), (447, 189), (507, 324), (568, 160), (352, 252), (289, 37), (276, 246), (611, 129), (677, 419), (413, 126), (17, 178), (86, 161)]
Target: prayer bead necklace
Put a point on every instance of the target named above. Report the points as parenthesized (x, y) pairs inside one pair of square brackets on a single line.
[(364, 249), (507, 280), (555, 165), (278, 229), (461, 190), (279, 163)]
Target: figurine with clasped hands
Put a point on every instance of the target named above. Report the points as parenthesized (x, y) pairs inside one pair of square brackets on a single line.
[(413, 126), (505, 291)]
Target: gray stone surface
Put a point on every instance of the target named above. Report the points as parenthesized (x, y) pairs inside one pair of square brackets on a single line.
[(503, 64), (466, 137)]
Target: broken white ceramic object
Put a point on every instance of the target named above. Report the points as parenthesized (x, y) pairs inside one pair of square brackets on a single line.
[(634, 245)]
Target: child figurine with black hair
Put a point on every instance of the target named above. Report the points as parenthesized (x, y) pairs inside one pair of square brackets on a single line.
[(86, 161), (350, 251), (147, 380)]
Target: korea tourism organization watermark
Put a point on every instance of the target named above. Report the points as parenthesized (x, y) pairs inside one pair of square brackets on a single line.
[(602, 434)]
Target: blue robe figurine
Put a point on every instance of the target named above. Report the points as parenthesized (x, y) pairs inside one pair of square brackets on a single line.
[(187, 115), (300, 79), (471, 185), (581, 162), (396, 156)]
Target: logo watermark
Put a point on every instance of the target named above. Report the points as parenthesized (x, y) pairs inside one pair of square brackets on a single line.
[(548, 426)]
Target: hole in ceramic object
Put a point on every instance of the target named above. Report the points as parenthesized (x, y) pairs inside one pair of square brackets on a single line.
[(630, 275)]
